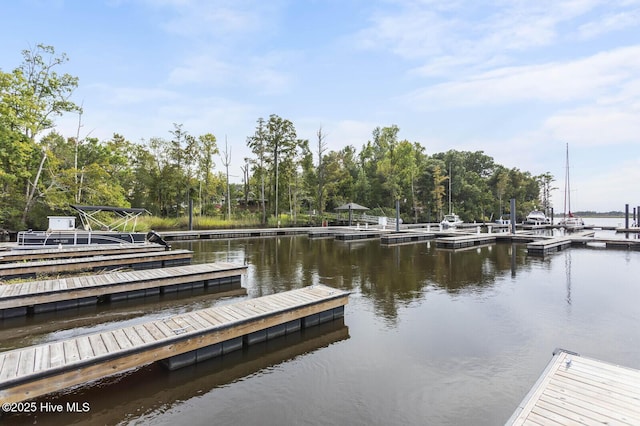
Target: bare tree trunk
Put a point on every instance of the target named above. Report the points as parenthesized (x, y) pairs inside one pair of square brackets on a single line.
[(226, 160), (31, 192), (322, 147)]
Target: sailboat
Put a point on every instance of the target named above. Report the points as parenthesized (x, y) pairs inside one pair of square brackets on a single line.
[(569, 221), (450, 220)]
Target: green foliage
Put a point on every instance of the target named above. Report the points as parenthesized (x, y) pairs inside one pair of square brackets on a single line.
[(41, 177)]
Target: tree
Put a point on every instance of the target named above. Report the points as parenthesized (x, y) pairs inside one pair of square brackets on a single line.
[(320, 173), (258, 145), (281, 141), (32, 96), (226, 161), (438, 190), (207, 148)]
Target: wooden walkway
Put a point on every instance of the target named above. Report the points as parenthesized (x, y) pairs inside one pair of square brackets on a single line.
[(575, 390), (157, 259), (67, 293), (179, 340), (66, 252)]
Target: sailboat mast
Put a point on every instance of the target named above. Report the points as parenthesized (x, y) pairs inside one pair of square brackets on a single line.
[(566, 184), (450, 211)]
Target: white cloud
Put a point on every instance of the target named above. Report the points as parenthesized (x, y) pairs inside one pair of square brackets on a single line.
[(589, 78), (595, 126), (609, 23), (204, 69)]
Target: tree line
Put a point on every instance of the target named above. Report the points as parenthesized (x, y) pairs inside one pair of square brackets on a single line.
[(42, 171)]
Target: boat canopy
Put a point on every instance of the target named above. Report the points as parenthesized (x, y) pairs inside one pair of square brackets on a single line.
[(120, 217)]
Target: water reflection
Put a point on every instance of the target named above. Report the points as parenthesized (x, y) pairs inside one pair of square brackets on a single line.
[(154, 389), (390, 276)]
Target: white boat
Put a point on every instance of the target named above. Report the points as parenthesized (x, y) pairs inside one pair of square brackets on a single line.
[(62, 230), (569, 221), (451, 221), (536, 217)]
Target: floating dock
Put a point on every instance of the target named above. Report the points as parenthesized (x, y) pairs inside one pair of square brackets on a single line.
[(581, 391), (159, 259), (358, 235), (231, 233), (178, 341), (68, 293), (464, 241), (405, 238), (67, 252), (321, 233), (552, 245)]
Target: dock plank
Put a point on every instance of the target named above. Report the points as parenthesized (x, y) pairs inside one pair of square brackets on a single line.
[(580, 390), (48, 291), (85, 358)]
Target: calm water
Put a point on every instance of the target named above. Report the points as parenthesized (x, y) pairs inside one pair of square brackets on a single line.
[(430, 337)]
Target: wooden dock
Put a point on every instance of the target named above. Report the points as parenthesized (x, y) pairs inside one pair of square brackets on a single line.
[(158, 259), (463, 241), (554, 244), (405, 238), (577, 390), (179, 340), (321, 233), (67, 252), (358, 235), (217, 234), (68, 293)]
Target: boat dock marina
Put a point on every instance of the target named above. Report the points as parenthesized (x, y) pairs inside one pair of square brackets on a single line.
[(68, 293), (158, 259), (580, 390), (67, 252), (178, 340)]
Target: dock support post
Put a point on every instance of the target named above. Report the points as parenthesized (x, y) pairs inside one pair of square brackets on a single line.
[(190, 214), (513, 215), (626, 216), (397, 215)]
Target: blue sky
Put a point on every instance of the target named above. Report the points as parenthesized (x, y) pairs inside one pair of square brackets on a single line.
[(517, 79)]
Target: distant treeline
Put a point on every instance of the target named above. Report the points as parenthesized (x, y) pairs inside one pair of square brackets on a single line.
[(589, 213), (42, 171)]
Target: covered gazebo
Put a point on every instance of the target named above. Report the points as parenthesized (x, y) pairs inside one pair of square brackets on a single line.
[(351, 207)]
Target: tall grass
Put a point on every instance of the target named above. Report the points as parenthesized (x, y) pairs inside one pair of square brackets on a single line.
[(148, 223)]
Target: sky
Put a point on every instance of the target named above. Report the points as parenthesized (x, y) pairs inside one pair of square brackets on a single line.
[(517, 79)]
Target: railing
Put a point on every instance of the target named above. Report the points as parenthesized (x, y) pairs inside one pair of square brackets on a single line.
[(361, 218)]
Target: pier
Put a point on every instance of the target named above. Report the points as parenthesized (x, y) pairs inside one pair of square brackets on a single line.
[(218, 234), (178, 341), (405, 238), (579, 390), (68, 293), (552, 245), (159, 259), (463, 241), (68, 252), (358, 235)]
